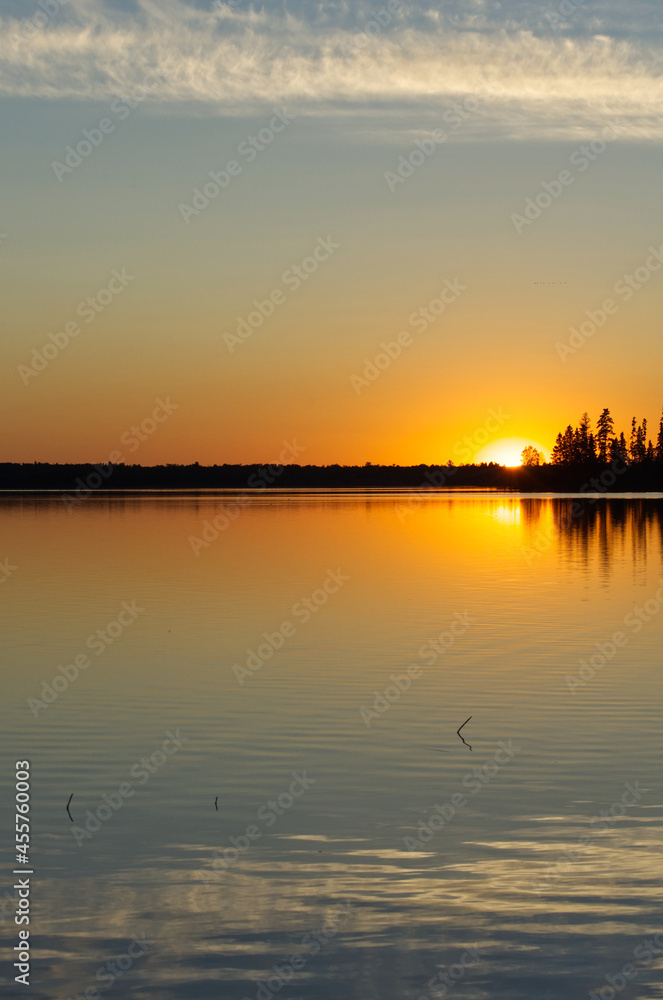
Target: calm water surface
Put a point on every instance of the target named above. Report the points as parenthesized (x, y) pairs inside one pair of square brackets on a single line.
[(358, 848)]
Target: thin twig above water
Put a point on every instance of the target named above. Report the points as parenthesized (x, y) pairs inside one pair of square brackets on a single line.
[(459, 729)]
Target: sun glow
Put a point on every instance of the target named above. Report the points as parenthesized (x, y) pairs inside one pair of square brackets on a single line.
[(507, 451)]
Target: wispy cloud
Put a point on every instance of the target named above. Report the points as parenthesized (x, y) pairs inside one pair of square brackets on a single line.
[(234, 59)]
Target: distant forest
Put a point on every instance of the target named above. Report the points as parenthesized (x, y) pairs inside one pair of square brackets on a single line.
[(583, 460)]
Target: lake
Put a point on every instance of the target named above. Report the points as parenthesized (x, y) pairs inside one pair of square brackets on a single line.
[(256, 706)]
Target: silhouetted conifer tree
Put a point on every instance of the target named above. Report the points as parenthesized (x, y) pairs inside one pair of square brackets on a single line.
[(557, 454), (605, 426), (633, 441), (659, 442)]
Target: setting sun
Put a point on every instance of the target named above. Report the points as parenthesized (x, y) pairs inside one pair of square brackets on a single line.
[(508, 451)]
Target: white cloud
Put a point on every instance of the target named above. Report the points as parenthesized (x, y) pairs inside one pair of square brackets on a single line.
[(236, 60)]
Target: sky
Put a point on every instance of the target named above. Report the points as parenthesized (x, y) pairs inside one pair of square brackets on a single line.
[(389, 232)]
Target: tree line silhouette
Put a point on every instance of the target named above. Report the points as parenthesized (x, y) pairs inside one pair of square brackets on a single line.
[(582, 446), (583, 459)]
